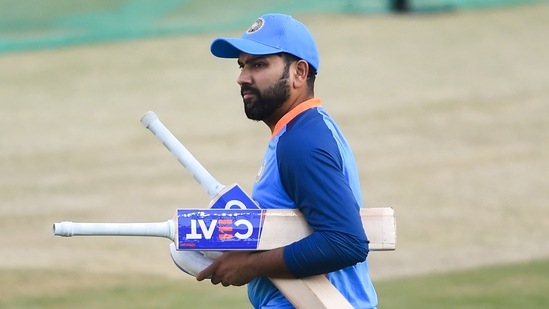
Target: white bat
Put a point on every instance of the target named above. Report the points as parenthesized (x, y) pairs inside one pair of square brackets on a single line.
[(232, 229), (312, 292)]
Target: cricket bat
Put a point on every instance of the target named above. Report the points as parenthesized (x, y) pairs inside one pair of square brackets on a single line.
[(312, 292), (230, 229)]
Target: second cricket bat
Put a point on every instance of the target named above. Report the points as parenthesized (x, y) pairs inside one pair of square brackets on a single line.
[(313, 292)]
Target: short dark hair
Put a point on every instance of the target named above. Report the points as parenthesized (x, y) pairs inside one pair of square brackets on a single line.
[(311, 76)]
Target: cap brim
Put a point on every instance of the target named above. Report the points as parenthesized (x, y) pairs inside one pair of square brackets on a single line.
[(232, 47)]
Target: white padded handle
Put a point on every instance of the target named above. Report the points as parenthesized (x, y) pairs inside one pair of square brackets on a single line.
[(204, 178), (156, 229)]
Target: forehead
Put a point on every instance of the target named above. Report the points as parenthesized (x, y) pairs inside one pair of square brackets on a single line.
[(245, 58)]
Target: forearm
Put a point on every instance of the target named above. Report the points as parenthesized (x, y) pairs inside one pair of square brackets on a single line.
[(271, 263), (239, 268)]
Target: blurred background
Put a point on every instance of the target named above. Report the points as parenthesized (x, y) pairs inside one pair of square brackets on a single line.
[(37, 24), (443, 101)]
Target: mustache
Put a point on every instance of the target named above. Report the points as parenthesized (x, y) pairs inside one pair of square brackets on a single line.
[(249, 89)]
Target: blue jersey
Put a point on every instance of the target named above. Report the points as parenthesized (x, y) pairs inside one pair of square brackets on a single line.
[(309, 166)]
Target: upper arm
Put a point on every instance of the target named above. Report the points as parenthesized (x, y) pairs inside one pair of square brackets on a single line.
[(312, 173)]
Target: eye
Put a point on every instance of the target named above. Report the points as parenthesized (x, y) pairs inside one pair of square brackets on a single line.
[(240, 64), (259, 64)]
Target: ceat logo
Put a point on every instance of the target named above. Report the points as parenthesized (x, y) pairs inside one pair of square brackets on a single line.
[(227, 229)]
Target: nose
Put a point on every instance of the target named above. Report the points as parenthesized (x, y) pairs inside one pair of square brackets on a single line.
[(244, 77)]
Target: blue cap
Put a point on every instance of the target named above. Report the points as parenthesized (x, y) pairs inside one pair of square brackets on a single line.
[(271, 34)]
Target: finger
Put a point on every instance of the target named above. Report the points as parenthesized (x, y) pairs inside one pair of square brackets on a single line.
[(206, 273), (215, 280)]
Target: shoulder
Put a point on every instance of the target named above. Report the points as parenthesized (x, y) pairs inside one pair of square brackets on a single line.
[(307, 137), (307, 131)]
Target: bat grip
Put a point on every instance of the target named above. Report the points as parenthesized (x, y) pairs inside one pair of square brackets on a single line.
[(157, 229), (151, 121)]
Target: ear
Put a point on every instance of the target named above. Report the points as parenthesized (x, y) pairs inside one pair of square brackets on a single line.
[(300, 73)]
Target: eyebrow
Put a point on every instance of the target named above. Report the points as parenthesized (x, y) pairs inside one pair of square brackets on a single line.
[(251, 59)]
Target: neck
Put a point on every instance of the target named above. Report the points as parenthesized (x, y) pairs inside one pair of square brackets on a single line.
[(284, 109)]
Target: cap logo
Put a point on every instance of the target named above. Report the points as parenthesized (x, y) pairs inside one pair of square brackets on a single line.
[(255, 26)]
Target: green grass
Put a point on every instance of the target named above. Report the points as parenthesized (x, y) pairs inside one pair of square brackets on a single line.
[(523, 285), (52, 289)]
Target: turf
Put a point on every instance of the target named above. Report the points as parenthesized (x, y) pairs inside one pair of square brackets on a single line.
[(519, 285)]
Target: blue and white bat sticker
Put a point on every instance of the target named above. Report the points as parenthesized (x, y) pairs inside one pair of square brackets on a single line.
[(219, 229)]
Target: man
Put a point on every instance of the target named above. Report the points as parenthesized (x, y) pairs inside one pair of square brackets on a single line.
[(308, 165)]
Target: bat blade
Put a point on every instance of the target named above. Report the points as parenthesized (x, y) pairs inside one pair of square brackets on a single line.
[(320, 293), (265, 229)]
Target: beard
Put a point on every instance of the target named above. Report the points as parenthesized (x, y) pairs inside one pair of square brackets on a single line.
[(266, 102)]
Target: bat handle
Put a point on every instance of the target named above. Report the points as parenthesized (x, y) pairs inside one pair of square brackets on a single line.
[(154, 229), (151, 121)]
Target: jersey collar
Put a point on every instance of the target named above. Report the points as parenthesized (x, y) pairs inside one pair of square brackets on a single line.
[(311, 103)]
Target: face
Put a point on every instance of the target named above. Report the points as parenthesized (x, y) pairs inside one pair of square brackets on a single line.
[(264, 85)]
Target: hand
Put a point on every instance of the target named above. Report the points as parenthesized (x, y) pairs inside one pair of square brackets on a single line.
[(231, 268)]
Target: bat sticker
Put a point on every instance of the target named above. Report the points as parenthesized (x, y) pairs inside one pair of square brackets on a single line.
[(219, 230)]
